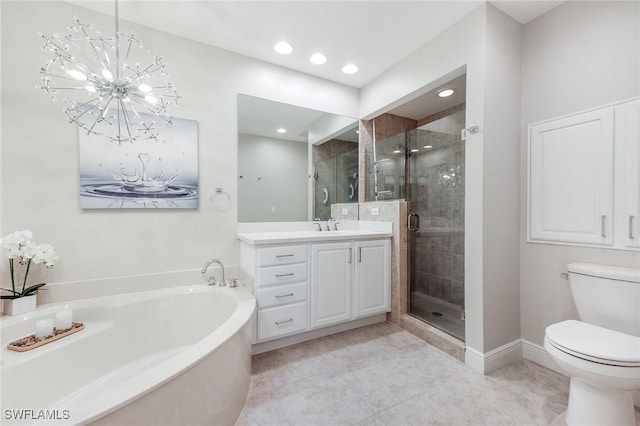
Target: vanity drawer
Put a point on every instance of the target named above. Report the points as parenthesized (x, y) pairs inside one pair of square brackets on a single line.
[(281, 274), (270, 256), (281, 295), (282, 320)]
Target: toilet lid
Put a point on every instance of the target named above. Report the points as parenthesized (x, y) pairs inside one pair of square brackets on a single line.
[(595, 343)]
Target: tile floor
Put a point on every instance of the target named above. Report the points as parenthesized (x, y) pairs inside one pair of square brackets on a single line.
[(382, 375)]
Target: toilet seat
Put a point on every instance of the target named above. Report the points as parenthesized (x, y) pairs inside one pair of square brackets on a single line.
[(595, 344)]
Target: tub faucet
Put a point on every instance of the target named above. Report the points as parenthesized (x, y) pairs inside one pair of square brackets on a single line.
[(335, 224), (212, 280), (316, 222)]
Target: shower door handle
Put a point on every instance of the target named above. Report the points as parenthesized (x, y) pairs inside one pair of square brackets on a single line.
[(413, 222)]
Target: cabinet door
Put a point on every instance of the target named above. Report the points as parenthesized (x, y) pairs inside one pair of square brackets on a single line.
[(372, 286), (331, 266), (628, 142), (571, 179)]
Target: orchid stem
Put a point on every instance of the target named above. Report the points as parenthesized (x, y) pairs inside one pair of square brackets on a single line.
[(13, 285), (24, 283)]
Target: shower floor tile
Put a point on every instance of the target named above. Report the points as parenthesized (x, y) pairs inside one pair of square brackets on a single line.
[(382, 375), (423, 306)]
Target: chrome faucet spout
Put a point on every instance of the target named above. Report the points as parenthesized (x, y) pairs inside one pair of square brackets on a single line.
[(217, 262)]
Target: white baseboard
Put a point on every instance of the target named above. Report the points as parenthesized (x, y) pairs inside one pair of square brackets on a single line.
[(538, 354), (487, 362)]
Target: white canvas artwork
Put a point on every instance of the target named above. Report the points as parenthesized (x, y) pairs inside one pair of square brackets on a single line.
[(158, 172)]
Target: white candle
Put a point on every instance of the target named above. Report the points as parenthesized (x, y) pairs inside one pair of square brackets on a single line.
[(44, 327), (64, 319)]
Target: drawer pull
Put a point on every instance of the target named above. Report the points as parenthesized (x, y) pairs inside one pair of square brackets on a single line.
[(290, 274), (631, 237), (278, 296), (284, 255), (603, 218), (284, 322)]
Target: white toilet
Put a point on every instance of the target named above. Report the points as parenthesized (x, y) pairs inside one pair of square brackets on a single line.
[(601, 353)]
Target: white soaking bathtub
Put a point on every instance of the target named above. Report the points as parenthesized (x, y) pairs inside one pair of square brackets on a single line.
[(177, 356)]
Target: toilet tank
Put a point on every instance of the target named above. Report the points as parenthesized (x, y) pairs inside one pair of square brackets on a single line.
[(607, 296)]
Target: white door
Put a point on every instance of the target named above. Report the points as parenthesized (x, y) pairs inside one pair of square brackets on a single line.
[(372, 289), (331, 270), (571, 179)]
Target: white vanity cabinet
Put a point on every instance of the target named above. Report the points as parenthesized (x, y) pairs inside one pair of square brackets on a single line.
[(372, 284), (281, 287), (310, 284), (349, 281), (331, 283)]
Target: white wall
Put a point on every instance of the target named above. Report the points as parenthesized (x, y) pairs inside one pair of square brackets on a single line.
[(486, 44), (274, 183), (39, 173), (579, 55)]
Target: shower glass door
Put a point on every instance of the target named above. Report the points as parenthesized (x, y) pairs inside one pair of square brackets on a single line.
[(435, 193)]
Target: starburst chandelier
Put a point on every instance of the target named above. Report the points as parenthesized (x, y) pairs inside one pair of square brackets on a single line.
[(109, 85)]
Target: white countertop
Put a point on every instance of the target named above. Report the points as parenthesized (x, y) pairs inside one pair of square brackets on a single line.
[(256, 236)]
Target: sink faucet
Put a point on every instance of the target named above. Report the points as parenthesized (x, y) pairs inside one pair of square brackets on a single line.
[(316, 222), (335, 224), (212, 280)]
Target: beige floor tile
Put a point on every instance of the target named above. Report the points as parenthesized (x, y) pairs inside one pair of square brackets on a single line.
[(382, 375), (324, 399), (551, 389)]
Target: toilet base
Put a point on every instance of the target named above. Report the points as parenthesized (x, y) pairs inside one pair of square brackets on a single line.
[(594, 405)]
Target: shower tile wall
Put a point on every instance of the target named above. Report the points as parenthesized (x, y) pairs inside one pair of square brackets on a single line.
[(336, 165), (437, 190)]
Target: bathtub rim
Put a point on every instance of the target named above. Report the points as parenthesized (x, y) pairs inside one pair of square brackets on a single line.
[(165, 371)]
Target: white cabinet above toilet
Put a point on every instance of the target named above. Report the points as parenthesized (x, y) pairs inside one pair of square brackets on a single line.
[(584, 178)]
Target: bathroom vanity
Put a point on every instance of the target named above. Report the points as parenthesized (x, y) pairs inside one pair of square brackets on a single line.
[(310, 283)]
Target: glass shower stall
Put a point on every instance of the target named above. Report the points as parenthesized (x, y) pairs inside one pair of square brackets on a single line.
[(426, 166)]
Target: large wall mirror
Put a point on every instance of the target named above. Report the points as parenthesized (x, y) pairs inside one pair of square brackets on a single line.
[(294, 163)]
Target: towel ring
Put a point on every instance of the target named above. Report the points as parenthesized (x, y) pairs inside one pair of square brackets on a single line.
[(221, 200)]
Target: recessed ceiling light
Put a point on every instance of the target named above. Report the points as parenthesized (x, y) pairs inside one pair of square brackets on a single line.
[(318, 59), (350, 69), (283, 48), (446, 92), (281, 130), (428, 146)]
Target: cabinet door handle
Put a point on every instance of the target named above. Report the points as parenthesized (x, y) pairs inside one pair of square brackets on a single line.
[(278, 296), (359, 254), (350, 255), (603, 218), (631, 227), (284, 322), (290, 274), (283, 255)]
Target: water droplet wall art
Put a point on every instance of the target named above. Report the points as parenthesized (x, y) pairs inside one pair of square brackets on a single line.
[(150, 173)]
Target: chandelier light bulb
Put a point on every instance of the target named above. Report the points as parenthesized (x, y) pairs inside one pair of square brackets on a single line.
[(151, 99), (144, 88), (76, 75), (107, 74), (90, 88)]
